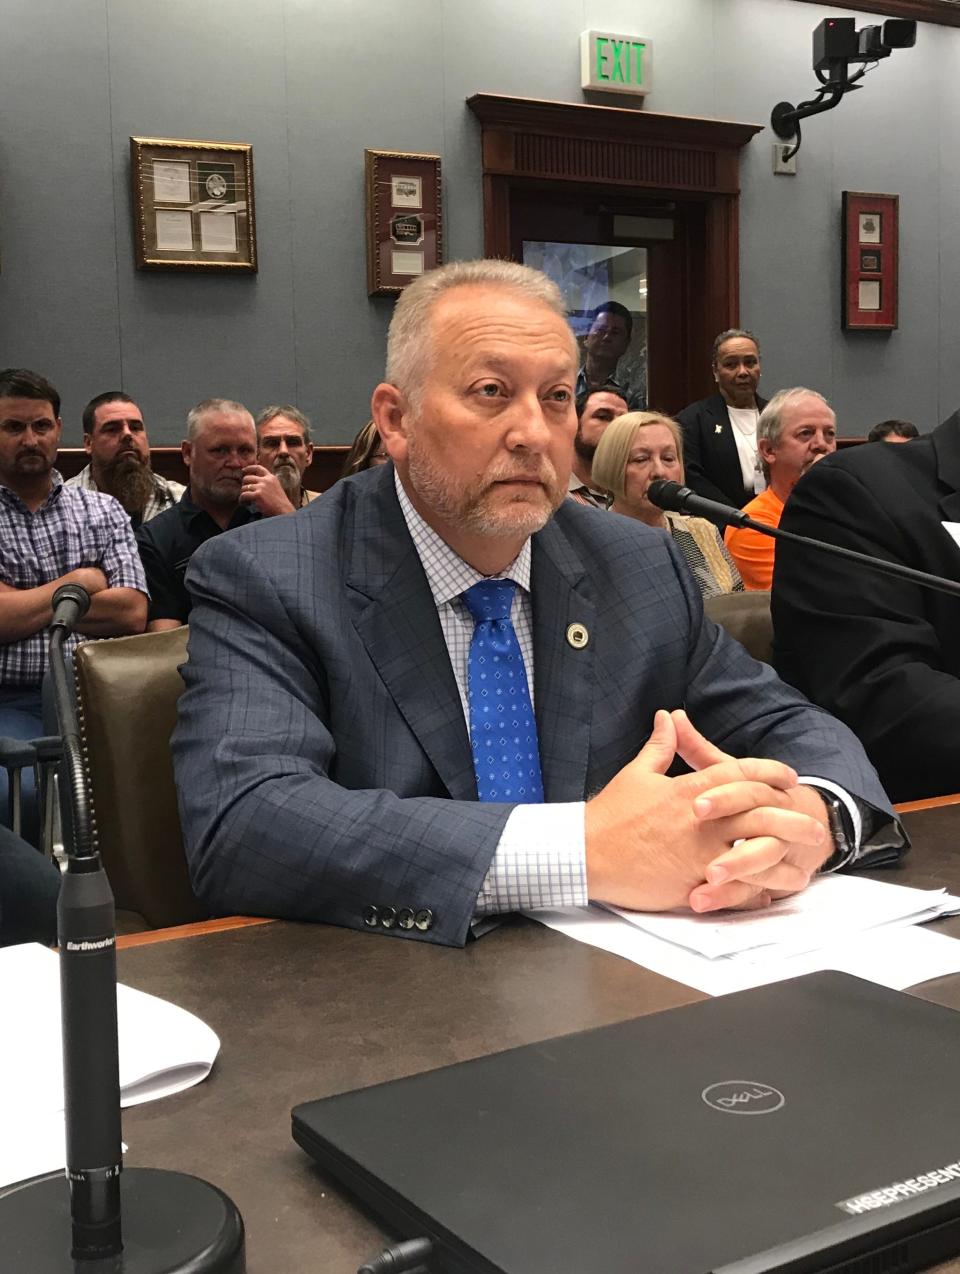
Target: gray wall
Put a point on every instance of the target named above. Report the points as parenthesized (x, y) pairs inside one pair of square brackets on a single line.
[(310, 83)]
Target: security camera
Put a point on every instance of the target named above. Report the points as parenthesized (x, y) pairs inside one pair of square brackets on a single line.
[(836, 44)]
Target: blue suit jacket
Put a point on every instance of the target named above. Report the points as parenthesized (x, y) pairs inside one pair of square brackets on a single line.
[(322, 758)]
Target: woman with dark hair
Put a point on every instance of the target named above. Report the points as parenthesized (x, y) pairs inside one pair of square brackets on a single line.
[(634, 450), (366, 452)]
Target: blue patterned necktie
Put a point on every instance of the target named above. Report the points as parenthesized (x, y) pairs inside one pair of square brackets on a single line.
[(503, 732)]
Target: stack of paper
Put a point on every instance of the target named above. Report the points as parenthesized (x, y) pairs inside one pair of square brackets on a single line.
[(858, 926), (163, 1049)]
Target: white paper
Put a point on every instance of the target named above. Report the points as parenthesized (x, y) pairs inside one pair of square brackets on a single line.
[(830, 908), (163, 1049), (218, 232), (892, 957), (406, 262), (869, 294), (174, 230), (171, 181)]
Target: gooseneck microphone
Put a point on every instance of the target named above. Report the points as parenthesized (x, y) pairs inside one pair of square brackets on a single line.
[(97, 1217), (679, 499)]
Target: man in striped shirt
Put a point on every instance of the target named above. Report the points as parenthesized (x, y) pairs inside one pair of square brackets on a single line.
[(51, 534)]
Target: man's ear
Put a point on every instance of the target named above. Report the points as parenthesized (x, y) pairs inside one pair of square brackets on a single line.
[(186, 451), (87, 442), (389, 409), (767, 450)]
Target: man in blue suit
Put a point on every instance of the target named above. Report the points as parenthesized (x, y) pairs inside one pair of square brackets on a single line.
[(442, 691)]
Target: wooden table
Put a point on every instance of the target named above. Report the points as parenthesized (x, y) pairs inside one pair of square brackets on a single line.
[(308, 1010)]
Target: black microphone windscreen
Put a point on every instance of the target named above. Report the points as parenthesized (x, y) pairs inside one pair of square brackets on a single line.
[(667, 495)]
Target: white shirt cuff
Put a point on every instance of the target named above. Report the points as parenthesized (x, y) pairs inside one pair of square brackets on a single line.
[(540, 862)]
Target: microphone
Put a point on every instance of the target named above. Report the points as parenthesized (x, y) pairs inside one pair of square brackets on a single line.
[(679, 499), (70, 603), (671, 496), (97, 1214)]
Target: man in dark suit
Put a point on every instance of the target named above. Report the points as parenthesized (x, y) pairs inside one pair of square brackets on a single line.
[(399, 699), (720, 432), (881, 653)]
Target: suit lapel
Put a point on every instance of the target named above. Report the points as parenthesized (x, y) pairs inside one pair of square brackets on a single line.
[(563, 671), (396, 618)]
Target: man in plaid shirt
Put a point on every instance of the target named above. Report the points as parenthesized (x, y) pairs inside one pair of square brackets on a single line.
[(50, 535), (115, 438)]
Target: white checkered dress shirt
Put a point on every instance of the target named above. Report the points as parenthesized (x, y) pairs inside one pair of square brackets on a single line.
[(541, 859), (165, 491), (72, 528)]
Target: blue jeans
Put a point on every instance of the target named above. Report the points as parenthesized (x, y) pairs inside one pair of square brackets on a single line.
[(29, 886), (21, 717)]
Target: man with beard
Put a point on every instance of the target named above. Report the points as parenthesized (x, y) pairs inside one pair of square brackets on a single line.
[(51, 534), (595, 410), (720, 456), (797, 428), (284, 447), (398, 702), (227, 489), (115, 438)]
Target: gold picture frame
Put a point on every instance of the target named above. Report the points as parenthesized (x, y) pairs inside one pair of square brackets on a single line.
[(193, 206)]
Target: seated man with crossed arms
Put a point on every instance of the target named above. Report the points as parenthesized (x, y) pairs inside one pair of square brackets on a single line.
[(445, 691)]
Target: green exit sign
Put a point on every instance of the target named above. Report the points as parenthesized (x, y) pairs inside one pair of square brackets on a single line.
[(616, 63)]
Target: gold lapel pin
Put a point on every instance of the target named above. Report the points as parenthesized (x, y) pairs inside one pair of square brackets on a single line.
[(577, 636)]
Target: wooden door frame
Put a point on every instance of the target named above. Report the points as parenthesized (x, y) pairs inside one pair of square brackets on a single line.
[(628, 152)]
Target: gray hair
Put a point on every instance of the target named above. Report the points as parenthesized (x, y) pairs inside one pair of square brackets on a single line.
[(770, 425), (197, 416), (732, 334), (292, 413), (410, 350)]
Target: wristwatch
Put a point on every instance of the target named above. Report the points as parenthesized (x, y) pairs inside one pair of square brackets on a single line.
[(845, 849)]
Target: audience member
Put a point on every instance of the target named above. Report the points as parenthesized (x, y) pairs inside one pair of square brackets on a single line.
[(720, 432), (339, 751), (29, 889), (797, 428), (227, 489), (115, 438), (635, 450), (51, 534), (366, 451), (595, 410), (880, 652), (893, 431), (284, 447), (611, 330)]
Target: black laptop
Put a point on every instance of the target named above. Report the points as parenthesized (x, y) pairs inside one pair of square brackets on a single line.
[(812, 1125)]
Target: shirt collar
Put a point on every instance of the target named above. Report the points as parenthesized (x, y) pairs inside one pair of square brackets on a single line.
[(447, 573), (56, 486)]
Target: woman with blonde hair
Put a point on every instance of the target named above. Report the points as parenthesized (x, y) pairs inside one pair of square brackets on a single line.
[(634, 450), (366, 451)]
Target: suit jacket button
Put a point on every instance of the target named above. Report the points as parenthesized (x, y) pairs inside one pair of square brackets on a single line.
[(388, 917), (370, 917), (423, 919), (405, 918)]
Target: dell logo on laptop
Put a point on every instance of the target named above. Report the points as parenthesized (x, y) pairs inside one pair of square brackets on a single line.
[(743, 1097)]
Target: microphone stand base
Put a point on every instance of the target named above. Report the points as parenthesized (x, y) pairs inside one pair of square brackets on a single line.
[(172, 1224)]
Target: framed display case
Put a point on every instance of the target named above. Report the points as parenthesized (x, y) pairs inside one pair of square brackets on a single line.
[(870, 261), (193, 205), (404, 220)]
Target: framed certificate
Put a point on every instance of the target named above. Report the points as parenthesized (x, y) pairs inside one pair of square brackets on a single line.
[(193, 205), (404, 221), (870, 261)]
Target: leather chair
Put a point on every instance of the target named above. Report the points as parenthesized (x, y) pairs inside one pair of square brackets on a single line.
[(127, 691), (745, 616)]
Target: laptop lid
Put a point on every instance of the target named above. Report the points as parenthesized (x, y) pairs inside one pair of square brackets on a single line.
[(795, 1127)]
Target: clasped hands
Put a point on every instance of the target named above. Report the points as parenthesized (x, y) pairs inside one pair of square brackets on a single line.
[(731, 834)]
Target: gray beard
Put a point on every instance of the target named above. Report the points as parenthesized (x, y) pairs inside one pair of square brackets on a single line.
[(289, 478)]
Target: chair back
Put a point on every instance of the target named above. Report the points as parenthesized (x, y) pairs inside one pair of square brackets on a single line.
[(127, 692), (745, 616)]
